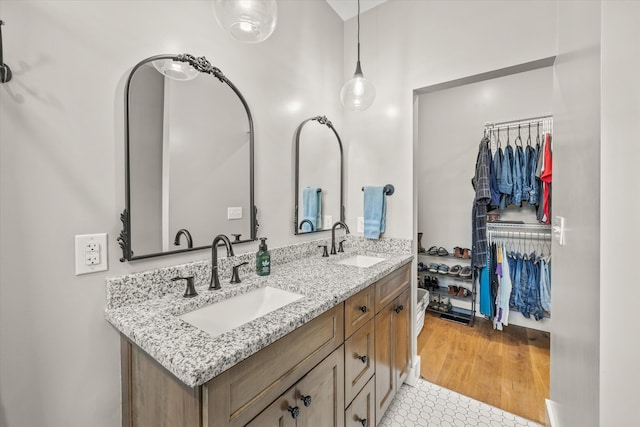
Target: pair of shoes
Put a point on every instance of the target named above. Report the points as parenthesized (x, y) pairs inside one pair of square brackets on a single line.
[(465, 273), (433, 268), (455, 270), (431, 283), (453, 290), (440, 251), (443, 269), (459, 252), (422, 267), (463, 292)]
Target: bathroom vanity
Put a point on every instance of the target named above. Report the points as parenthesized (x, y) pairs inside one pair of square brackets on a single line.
[(333, 358)]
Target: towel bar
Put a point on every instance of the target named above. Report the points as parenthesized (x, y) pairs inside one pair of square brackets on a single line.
[(389, 189)]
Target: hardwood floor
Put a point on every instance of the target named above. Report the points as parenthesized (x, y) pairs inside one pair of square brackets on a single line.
[(508, 369)]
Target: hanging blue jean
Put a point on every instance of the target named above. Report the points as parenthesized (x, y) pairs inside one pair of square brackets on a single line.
[(533, 301), (506, 181), (516, 172), (526, 172), (497, 165), (545, 286), (516, 274), (533, 180)]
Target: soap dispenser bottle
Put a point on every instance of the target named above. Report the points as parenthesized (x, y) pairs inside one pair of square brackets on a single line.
[(263, 259)]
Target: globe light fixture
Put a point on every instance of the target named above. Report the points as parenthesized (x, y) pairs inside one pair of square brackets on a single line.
[(250, 21)]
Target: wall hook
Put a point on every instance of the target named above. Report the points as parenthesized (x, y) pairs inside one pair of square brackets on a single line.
[(5, 71)]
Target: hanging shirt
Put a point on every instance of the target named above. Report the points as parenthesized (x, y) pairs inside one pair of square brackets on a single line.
[(517, 176), (493, 182), (533, 180), (506, 181), (505, 294), (479, 213)]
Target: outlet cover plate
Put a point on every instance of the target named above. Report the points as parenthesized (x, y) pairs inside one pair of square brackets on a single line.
[(91, 253), (360, 227)]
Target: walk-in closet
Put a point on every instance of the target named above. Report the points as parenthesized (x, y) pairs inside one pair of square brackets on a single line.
[(485, 150)]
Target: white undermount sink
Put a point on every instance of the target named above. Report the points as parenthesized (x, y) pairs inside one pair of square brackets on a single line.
[(362, 261), (223, 316)]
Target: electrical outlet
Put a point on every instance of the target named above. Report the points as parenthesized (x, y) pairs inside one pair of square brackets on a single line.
[(91, 253), (360, 226), (234, 213), (327, 221)]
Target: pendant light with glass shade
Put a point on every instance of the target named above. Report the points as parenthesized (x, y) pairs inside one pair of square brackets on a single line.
[(250, 21), (358, 93)]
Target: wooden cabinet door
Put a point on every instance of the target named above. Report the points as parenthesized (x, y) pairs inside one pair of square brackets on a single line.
[(385, 387), (358, 310), (359, 360), (361, 412), (281, 413), (402, 337), (320, 393)]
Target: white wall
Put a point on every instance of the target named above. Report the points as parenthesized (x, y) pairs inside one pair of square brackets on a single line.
[(451, 123), (620, 228), (61, 166), (575, 292)]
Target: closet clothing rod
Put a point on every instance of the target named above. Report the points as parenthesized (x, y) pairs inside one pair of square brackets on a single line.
[(510, 225), (525, 121), (520, 235)]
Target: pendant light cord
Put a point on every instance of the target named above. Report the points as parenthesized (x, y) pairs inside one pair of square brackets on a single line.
[(358, 67)]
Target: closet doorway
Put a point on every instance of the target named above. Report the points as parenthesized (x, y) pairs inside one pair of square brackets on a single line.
[(508, 369)]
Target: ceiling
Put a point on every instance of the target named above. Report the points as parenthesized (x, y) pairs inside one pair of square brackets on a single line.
[(347, 9)]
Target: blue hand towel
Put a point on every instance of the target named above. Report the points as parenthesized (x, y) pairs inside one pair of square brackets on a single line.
[(312, 208), (374, 212)]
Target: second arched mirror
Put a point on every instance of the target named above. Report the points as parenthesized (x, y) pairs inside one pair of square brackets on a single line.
[(319, 172)]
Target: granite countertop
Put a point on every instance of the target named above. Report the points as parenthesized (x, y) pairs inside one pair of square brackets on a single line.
[(195, 357)]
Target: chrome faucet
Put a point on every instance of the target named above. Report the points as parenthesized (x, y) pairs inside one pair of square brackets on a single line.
[(333, 235), (306, 221), (215, 282), (183, 232)]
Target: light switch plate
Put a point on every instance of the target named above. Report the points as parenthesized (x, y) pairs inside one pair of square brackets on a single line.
[(234, 212), (91, 253), (327, 222)]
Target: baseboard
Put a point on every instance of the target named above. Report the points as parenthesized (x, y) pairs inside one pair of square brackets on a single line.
[(414, 373), (551, 410)]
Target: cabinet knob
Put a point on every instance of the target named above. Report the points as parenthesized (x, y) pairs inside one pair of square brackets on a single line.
[(399, 308), (295, 411), (306, 400), (363, 359), (363, 421), (363, 308)]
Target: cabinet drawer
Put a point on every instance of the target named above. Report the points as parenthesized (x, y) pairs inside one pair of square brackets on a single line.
[(358, 309), (361, 412), (359, 360), (392, 285), (240, 393)]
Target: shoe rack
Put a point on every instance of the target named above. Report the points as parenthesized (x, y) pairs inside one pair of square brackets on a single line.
[(454, 298)]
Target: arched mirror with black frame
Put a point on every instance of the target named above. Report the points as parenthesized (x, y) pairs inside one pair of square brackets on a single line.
[(189, 158), (319, 176)]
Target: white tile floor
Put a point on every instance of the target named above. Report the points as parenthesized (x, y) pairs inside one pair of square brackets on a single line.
[(430, 405)]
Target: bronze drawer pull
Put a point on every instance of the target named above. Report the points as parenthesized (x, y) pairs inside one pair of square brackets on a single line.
[(363, 359), (363, 308), (399, 308), (306, 400), (295, 411), (363, 421)]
